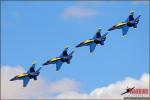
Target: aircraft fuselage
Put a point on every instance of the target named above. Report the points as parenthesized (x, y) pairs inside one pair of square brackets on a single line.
[(54, 60), (20, 76), (88, 42), (120, 25)]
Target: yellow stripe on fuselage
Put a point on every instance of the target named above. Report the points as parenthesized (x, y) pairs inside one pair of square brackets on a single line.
[(55, 59), (121, 24), (22, 75), (88, 41)]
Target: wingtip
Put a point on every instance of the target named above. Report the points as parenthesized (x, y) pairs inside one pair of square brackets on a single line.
[(132, 11), (66, 46), (34, 62), (124, 36), (56, 71), (99, 29), (91, 52)]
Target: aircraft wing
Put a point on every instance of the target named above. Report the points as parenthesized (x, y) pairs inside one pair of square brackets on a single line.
[(64, 53), (58, 65), (92, 47), (25, 81), (35, 77), (125, 30), (98, 34), (31, 69)]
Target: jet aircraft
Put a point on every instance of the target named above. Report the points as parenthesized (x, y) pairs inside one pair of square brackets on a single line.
[(64, 57), (31, 73), (128, 90), (129, 22), (97, 39)]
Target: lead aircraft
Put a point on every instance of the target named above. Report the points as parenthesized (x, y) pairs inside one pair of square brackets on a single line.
[(129, 22)]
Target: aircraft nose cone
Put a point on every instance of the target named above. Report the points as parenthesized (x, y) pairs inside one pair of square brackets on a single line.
[(46, 63), (79, 45), (12, 79), (110, 29)]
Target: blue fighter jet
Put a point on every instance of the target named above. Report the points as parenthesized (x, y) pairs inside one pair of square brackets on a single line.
[(97, 39), (31, 73), (64, 57), (129, 22)]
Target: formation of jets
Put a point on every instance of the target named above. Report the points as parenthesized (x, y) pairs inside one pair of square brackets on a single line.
[(92, 43)]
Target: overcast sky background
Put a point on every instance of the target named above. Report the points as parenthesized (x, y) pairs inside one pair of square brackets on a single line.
[(40, 30)]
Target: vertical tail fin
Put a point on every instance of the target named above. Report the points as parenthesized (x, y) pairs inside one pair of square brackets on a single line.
[(38, 70), (71, 53), (64, 53), (137, 18), (136, 21), (32, 68)]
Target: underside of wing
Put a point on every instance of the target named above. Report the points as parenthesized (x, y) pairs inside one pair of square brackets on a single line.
[(125, 30), (58, 65), (25, 81), (92, 47), (35, 77)]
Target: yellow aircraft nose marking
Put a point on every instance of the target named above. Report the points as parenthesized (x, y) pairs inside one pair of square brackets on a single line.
[(54, 59), (88, 41), (22, 75), (121, 24)]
